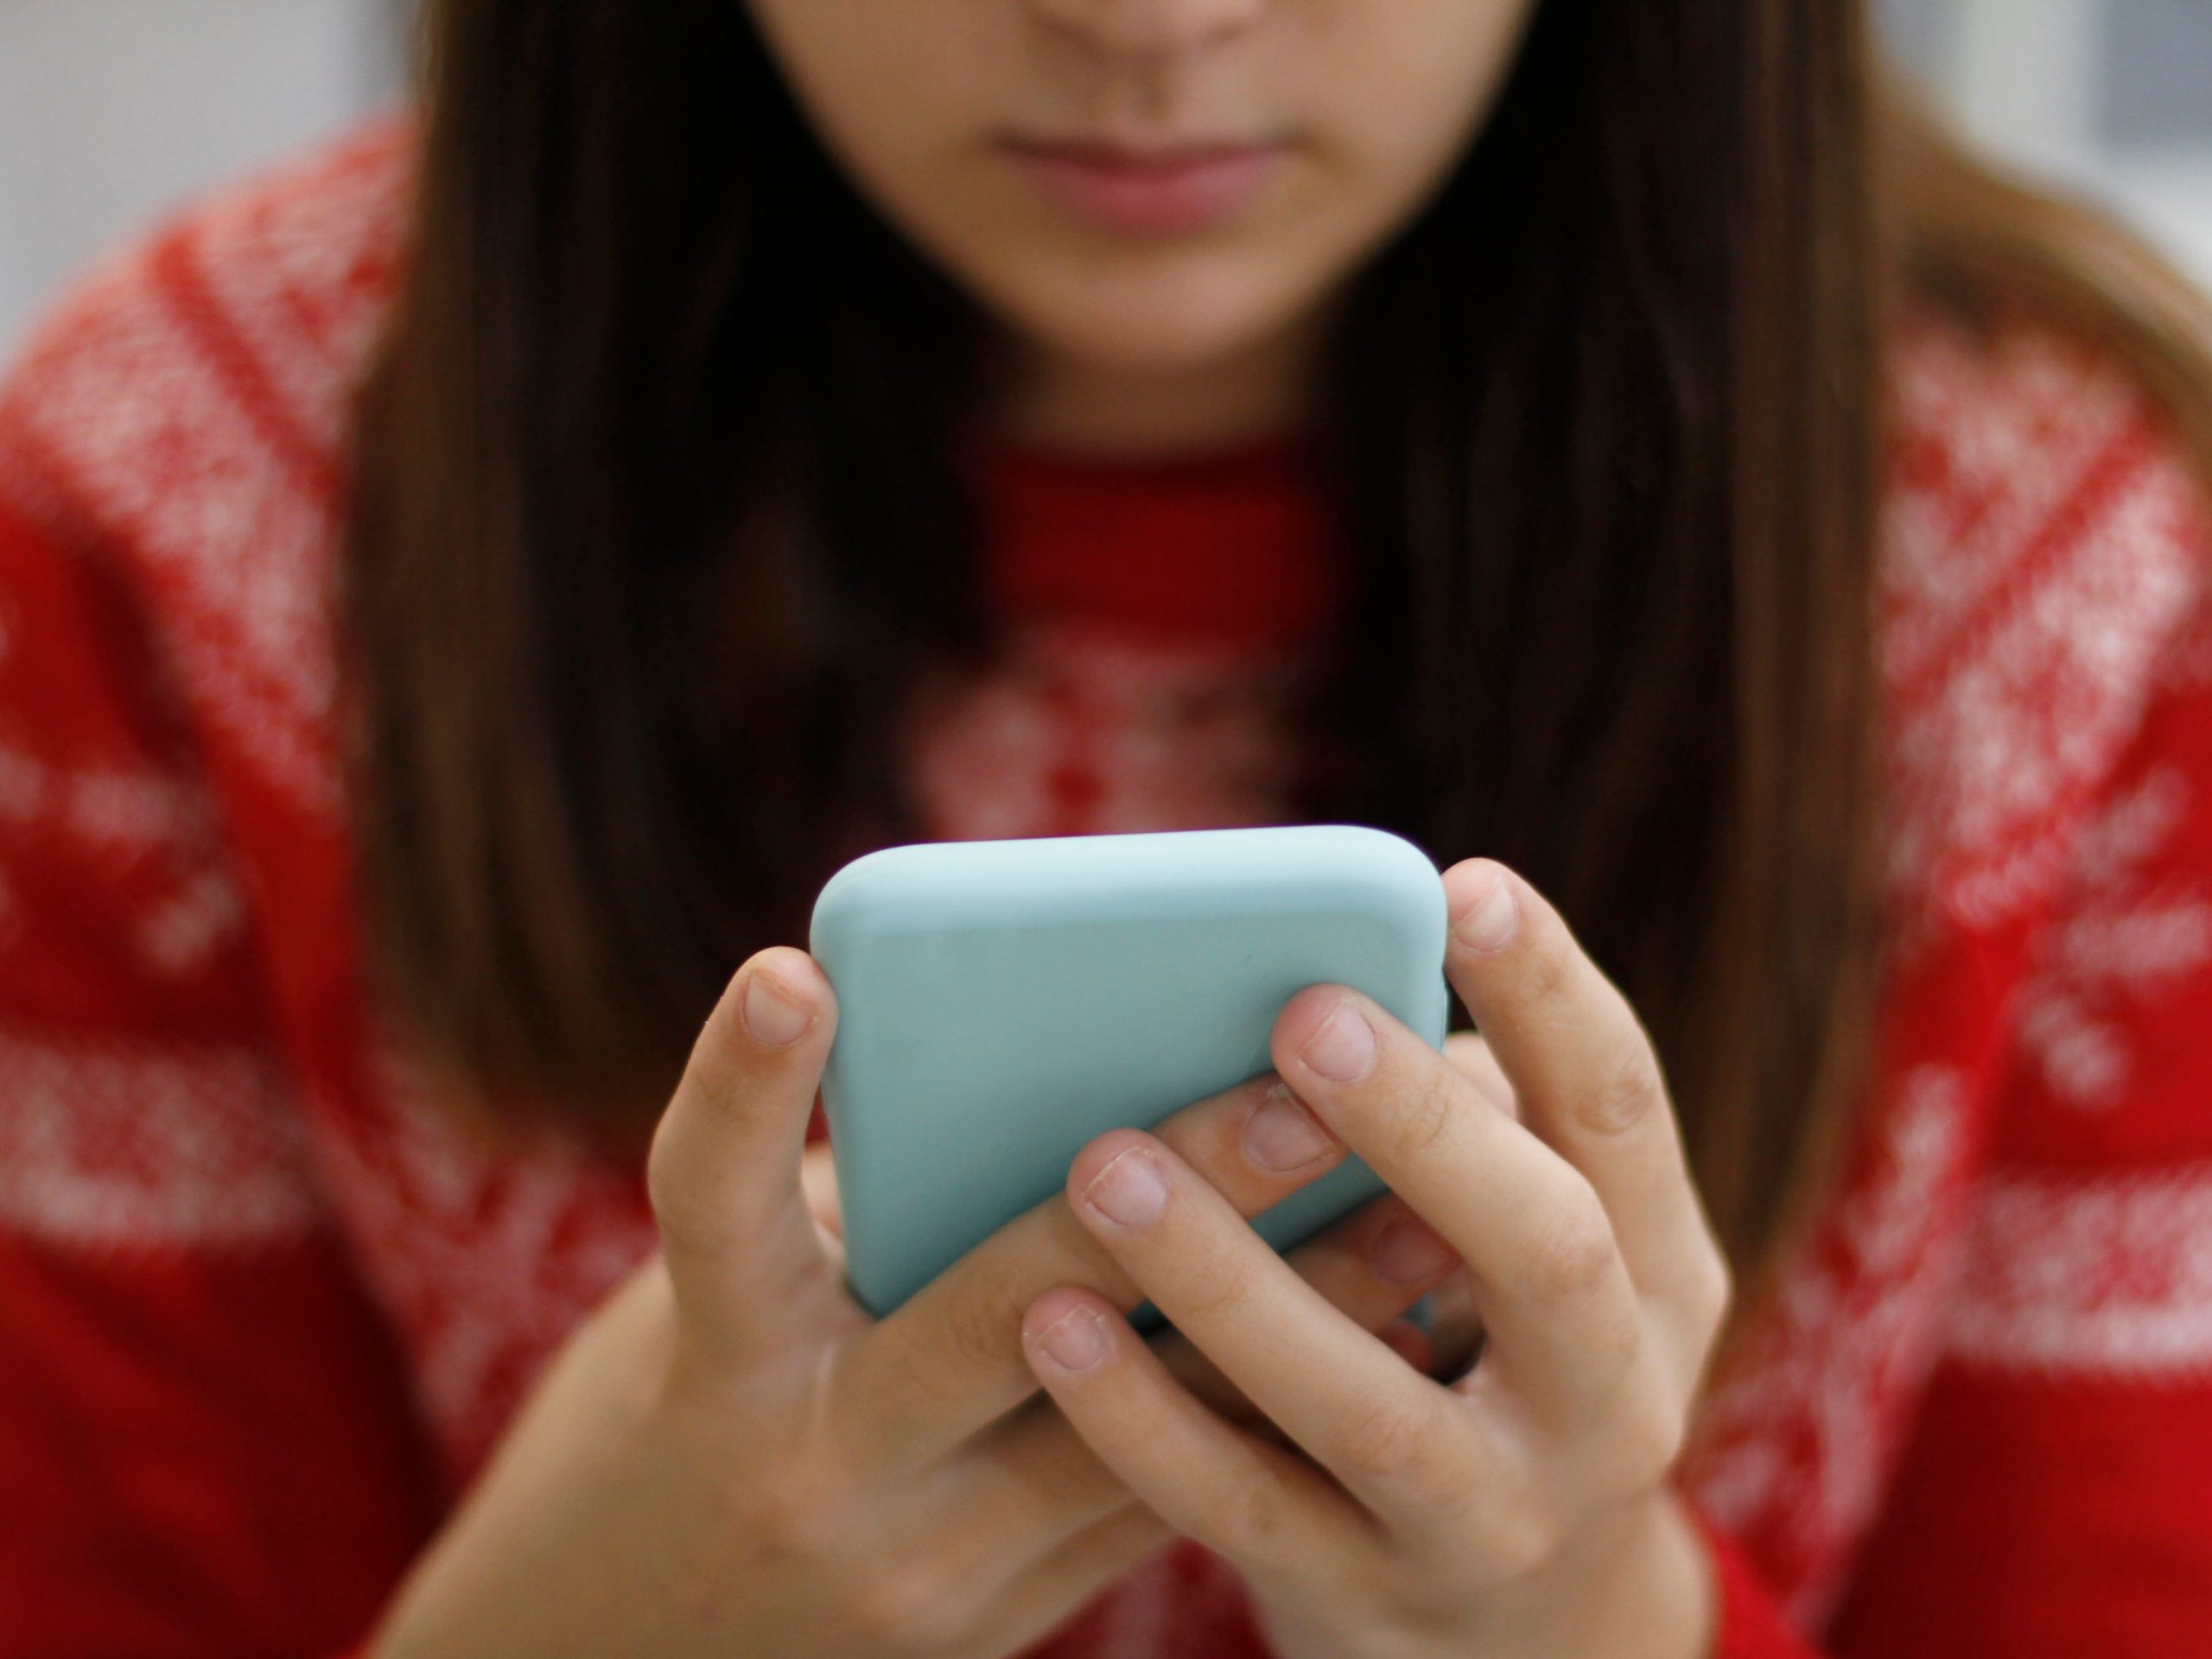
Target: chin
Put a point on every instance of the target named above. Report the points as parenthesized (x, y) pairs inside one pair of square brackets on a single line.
[(1150, 323)]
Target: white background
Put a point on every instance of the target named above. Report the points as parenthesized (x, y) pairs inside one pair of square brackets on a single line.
[(2113, 98), (112, 109)]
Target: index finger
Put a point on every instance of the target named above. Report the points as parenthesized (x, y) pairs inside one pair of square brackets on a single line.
[(950, 1361), (1581, 1065)]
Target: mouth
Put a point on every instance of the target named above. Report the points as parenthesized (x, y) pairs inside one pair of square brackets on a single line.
[(1148, 191)]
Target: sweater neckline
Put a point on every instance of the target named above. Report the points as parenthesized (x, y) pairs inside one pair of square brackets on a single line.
[(1268, 460), (1228, 546)]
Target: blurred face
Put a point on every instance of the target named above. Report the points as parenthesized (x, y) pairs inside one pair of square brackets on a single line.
[(1146, 188)]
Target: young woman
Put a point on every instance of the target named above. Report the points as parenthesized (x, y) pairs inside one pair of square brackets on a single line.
[(460, 593)]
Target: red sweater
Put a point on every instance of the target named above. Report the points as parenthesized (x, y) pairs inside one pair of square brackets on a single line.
[(264, 1308)]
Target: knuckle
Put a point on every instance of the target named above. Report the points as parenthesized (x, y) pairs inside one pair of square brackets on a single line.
[(664, 1184), (663, 1189), (1386, 1439), (1655, 1432), (1619, 1352), (1225, 1287), (792, 1515), (916, 1608), (1430, 1112), (1518, 1541), (1248, 1524), (1710, 1294), (685, 1220), (1571, 1252), (982, 1329), (1549, 969), (1627, 1091)]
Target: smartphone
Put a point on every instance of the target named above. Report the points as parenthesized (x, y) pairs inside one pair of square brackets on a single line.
[(1000, 1003)]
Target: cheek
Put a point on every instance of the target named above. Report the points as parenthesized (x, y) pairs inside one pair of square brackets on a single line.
[(1410, 101), (889, 88)]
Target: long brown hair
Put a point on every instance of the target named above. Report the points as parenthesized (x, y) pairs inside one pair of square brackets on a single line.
[(658, 517)]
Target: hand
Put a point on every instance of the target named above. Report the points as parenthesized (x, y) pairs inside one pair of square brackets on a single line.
[(1522, 1510), (731, 1457), (1337, 1261)]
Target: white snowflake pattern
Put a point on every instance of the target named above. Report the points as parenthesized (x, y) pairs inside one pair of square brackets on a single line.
[(486, 1250), (108, 1145), (1081, 728), (2126, 933), (1796, 1439), (2111, 1276), (2055, 549), (135, 415), (148, 820)]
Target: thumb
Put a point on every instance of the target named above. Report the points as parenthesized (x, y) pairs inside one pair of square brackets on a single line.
[(723, 1172)]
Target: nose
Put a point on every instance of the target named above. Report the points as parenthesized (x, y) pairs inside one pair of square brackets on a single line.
[(1150, 27)]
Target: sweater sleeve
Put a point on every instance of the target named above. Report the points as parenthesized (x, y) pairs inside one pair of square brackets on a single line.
[(206, 1444), (2056, 1496), (1748, 1623), (2050, 657)]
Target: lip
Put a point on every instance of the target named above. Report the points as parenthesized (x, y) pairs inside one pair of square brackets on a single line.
[(1157, 191)]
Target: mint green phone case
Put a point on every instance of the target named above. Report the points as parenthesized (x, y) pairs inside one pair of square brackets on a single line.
[(1000, 1003)]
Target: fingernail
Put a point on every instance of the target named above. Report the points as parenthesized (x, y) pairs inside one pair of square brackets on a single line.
[(772, 1013), (1490, 922), (1075, 1341), (1130, 1190), (1282, 1135), (1406, 1252), (1344, 1046)]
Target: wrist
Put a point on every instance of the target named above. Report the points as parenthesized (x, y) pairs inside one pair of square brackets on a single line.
[(1680, 1604), (1640, 1588), (1643, 1587)]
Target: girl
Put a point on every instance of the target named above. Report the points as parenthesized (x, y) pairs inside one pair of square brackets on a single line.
[(463, 592)]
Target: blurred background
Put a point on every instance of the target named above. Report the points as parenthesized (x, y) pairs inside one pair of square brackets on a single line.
[(112, 109)]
